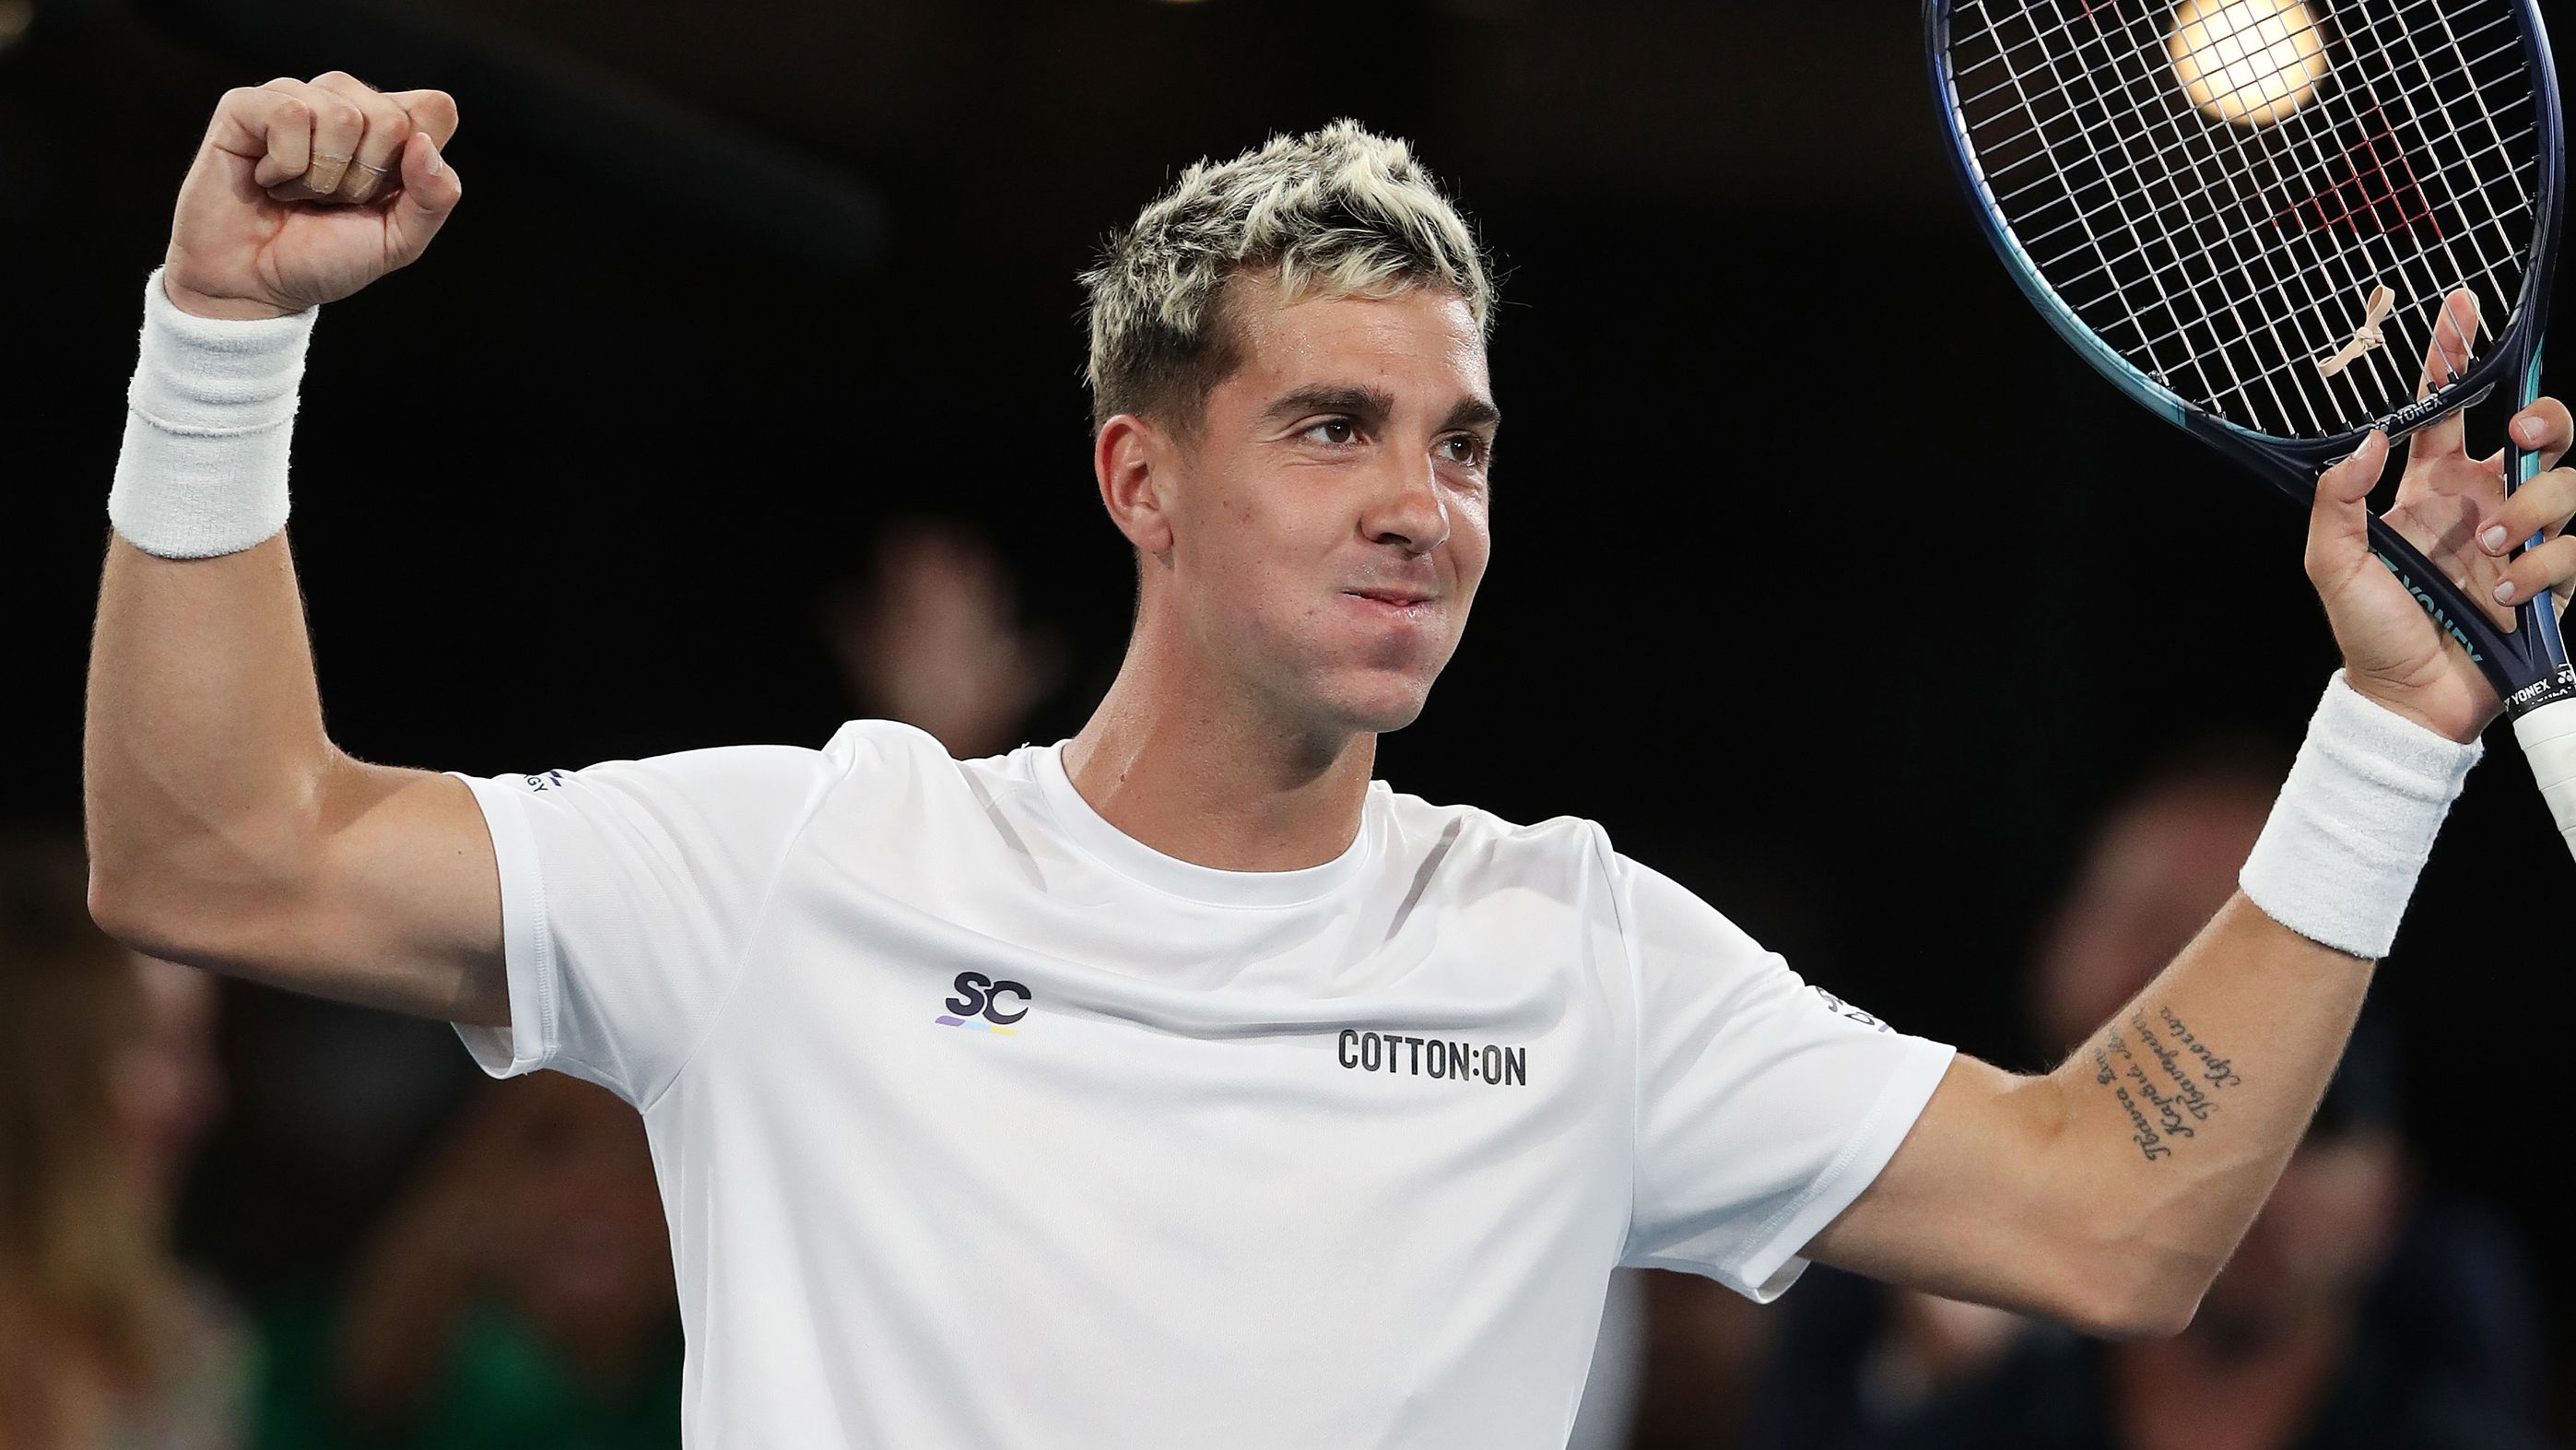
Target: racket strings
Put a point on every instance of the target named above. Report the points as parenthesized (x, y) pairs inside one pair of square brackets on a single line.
[(2405, 197), (2329, 199), (2182, 144), (2229, 306), (2231, 259)]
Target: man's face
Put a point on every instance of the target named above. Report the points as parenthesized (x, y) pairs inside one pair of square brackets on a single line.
[(1328, 522)]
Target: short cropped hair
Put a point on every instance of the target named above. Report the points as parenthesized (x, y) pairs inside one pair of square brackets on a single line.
[(1340, 211)]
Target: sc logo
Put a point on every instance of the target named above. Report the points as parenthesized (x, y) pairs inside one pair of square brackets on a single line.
[(980, 996)]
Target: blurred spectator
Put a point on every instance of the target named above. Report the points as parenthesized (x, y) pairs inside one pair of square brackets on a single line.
[(2358, 1311), (108, 1081), (934, 639), (518, 1295)]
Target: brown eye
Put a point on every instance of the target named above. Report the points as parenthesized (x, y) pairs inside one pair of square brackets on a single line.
[(1336, 431)]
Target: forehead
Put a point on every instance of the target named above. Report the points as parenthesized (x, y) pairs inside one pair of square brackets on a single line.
[(1423, 337)]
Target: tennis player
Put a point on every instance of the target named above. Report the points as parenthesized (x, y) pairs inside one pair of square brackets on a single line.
[(1178, 1084)]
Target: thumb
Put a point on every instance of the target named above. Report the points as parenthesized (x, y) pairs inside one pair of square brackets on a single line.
[(430, 190), (2339, 521)]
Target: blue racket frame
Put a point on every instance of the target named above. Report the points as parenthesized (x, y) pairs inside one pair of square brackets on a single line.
[(2528, 666)]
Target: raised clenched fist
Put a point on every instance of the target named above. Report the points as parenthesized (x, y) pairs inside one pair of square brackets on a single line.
[(305, 191)]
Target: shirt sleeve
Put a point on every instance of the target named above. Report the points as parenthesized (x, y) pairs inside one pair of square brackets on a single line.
[(629, 892), (1764, 1105)]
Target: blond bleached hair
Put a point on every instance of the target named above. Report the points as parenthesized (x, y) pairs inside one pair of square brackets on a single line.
[(1338, 212)]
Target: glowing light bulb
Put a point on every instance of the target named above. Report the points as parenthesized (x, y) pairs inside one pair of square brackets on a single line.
[(2249, 62)]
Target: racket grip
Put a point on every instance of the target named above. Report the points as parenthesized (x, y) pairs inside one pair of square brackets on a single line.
[(2548, 736)]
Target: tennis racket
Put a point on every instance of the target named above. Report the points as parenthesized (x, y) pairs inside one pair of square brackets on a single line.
[(2280, 224)]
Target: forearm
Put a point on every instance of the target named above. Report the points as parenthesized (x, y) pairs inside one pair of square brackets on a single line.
[(2175, 1120), (205, 762), (2178, 1115)]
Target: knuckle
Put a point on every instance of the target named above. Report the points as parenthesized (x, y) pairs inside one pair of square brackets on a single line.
[(337, 78)]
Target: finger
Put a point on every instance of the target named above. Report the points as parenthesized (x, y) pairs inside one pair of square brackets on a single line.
[(385, 127), (2446, 357), (430, 111), (2543, 428), (337, 126), (2540, 506), (268, 127), (2547, 567), (2339, 520), (430, 191)]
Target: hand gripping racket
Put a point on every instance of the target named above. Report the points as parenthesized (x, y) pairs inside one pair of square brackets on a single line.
[(2256, 218)]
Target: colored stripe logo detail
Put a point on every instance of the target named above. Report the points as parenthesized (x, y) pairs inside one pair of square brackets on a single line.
[(976, 1026)]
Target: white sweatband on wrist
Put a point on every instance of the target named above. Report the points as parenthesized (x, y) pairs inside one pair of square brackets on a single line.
[(2354, 822), (208, 419)]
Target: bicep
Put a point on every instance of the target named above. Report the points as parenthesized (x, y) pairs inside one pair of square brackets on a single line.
[(398, 904), (1966, 1208)]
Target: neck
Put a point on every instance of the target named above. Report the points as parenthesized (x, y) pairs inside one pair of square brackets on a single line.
[(1209, 775)]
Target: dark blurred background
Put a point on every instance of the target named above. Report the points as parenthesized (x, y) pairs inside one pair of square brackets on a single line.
[(1825, 577)]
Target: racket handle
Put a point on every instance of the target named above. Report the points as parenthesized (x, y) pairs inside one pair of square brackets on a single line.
[(2548, 736)]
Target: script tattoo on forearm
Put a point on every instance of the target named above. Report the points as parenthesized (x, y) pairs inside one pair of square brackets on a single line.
[(2167, 1083)]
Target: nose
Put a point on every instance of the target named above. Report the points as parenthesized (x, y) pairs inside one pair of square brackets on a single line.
[(1407, 510)]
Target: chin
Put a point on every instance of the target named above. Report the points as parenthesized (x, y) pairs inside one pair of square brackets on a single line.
[(1387, 706)]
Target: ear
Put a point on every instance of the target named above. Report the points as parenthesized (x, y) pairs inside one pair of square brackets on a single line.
[(1136, 464)]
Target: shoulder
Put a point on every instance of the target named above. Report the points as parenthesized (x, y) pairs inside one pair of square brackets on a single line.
[(1470, 837), (888, 765), (860, 744), (882, 756), (1570, 857)]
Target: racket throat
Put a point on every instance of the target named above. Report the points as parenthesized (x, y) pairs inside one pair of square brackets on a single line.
[(2471, 632)]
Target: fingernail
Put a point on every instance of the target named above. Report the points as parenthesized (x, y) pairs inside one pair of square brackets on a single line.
[(2530, 430), (437, 163), (2504, 592), (2493, 539)]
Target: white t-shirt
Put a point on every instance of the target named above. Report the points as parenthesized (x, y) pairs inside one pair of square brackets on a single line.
[(982, 1124)]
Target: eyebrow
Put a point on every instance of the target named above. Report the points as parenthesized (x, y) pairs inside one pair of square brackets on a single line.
[(1473, 413), (1371, 405), (1363, 403)]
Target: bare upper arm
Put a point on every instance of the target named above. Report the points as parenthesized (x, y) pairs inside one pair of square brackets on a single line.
[(386, 894), (1969, 1207)]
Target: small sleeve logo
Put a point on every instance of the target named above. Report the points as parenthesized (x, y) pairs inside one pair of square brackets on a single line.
[(1843, 1009)]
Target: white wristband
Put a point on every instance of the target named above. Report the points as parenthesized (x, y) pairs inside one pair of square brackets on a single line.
[(2354, 822), (208, 419)]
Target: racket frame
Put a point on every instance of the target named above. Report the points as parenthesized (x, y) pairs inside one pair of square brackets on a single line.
[(2529, 666)]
